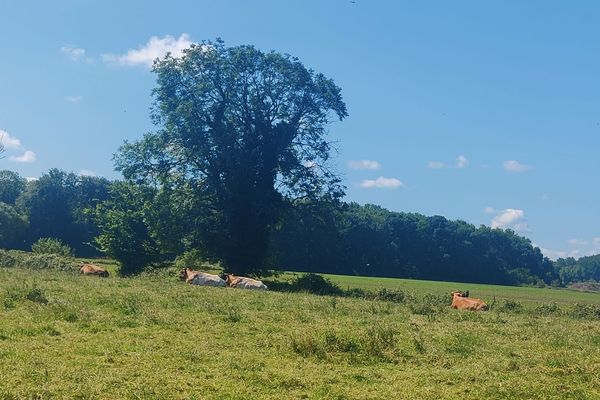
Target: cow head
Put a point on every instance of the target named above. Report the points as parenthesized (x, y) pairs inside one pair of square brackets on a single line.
[(183, 274), (226, 278), (457, 293)]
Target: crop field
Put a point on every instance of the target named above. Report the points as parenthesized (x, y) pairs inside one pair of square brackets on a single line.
[(65, 336)]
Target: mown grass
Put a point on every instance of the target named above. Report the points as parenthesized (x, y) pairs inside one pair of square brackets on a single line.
[(68, 336)]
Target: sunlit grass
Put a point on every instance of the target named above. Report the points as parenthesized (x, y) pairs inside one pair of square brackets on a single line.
[(68, 336)]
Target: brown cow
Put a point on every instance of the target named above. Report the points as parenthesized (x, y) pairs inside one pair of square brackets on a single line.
[(242, 282), (200, 278), (91, 269), (460, 301)]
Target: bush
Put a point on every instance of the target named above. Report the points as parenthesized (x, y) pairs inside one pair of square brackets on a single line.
[(585, 311), (22, 259), (393, 295), (510, 306), (316, 284), (547, 309), (51, 246), (192, 259)]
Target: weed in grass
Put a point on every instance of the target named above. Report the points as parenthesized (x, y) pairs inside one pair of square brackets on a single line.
[(232, 315), (510, 306), (37, 296), (547, 309), (585, 311)]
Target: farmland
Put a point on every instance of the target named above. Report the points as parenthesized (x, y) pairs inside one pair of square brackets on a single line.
[(67, 336)]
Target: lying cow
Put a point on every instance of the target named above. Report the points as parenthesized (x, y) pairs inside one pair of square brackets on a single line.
[(200, 278), (242, 282), (91, 269), (461, 301)]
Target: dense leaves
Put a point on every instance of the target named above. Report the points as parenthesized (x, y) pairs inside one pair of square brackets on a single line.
[(370, 240), (55, 206), (583, 269), (241, 133)]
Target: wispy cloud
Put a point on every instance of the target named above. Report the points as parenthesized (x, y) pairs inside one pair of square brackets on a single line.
[(436, 165), (145, 55), (364, 164), (578, 242), (509, 218), (460, 163), (74, 99), (27, 157), (515, 166), (8, 141), (86, 172), (73, 53), (381, 183)]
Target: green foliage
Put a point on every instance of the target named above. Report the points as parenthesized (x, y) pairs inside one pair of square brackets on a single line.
[(21, 259), (13, 227), (193, 259), (56, 206), (315, 284), (581, 270), (509, 306), (11, 186), (240, 134), (585, 311), (370, 240), (125, 232), (51, 246)]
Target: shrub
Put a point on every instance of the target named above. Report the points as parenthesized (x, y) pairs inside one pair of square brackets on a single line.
[(192, 259), (51, 246), (585, 311), (510, 306), (22, 259), (315, 284), (37, 296), (547, 309), (393, 295)]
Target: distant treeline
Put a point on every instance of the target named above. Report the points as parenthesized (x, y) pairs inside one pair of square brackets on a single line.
[(370, 240), (344, 238)]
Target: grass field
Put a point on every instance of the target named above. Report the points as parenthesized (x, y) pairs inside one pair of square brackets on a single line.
[(67, 336)]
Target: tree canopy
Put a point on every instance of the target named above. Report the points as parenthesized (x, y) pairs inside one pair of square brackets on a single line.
[(242, 133)]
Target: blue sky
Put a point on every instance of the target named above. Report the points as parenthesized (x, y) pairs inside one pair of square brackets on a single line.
[(483, 111)]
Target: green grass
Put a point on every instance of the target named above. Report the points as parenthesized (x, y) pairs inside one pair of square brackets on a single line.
[(526, 295), (67, 336)]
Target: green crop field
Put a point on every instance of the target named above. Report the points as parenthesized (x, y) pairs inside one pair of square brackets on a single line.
[(65, 336)]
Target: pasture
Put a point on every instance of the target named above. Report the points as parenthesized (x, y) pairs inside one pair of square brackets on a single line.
[(152, 337)]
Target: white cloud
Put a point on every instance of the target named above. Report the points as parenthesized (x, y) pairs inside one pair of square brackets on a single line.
[(489, 210), (74, 53), (155, 48), (31, 179), (381, 183), (364, 164), (578, 242), (515, 166), (86, 172), (8, 141), (596, 241), (74, 99), (436, 165), (462, 162), (510, 218), (27, 156)]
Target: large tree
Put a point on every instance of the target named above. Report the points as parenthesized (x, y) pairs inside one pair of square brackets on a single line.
[(242, 133)]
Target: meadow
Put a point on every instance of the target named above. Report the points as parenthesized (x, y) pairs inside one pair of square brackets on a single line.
[(67, 336)]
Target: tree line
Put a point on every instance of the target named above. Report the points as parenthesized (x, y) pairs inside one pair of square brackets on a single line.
[(140, 225)]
